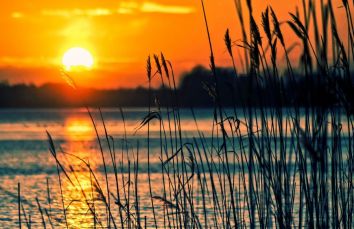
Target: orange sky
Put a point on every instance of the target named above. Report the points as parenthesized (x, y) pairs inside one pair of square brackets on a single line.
[(120, 35)]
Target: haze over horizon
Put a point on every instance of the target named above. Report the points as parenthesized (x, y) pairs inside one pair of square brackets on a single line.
[(119, 35)]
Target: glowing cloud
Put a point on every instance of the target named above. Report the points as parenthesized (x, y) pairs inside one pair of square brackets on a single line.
[(150, 7), (124, 8), (78, 12), (17, 15)]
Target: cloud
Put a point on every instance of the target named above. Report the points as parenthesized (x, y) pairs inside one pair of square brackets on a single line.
[(78, 12), (25, 61), (150, 7), (17, 15), (125, 11), (124, 8)]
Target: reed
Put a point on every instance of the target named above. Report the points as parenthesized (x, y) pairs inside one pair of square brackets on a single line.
[(19, 205)]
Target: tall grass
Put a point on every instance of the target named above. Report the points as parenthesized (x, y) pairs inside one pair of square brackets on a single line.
[(263, 166)]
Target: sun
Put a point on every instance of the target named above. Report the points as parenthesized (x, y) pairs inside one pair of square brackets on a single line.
[(77, 58)]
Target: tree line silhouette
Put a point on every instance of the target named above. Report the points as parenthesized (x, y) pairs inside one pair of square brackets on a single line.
[(196, 89)]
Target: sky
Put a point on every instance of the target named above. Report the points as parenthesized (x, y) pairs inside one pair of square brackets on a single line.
[(35, 34)]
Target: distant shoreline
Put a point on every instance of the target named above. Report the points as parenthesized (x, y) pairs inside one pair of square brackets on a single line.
[(195, 90)]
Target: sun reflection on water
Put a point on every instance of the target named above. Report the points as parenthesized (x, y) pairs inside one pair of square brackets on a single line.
[(79, 129), (79, 200), (81, 195)]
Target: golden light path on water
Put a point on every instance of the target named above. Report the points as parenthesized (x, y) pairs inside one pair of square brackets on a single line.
[(80, 193)]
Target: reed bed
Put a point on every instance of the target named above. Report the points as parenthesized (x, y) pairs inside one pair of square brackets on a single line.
[(264, 167)]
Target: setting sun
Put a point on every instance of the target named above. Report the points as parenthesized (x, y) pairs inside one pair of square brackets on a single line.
[(77, 57)]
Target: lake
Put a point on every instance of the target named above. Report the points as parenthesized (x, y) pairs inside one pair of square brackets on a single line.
[(25, 155), (25, 159)]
